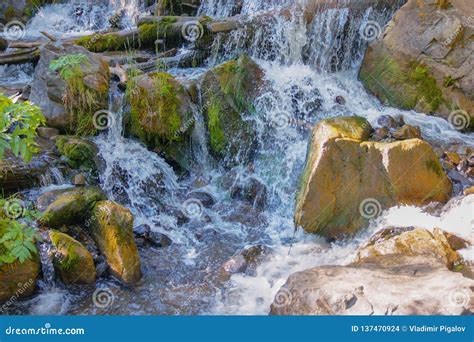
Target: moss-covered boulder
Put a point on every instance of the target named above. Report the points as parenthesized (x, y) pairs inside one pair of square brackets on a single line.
[(72, 93), (112, 231), (348, 181), (161, 116), (406, 242), (72, 261), (229, 91), (18, 280), (424, 61), (80, 153), (72, 206)]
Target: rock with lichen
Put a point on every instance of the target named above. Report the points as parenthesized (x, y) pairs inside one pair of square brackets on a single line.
[(424, 61), (72, 261), (112, 231), (229, 91), (348, 180)]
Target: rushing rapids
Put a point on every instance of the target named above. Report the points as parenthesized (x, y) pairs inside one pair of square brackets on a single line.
[(306, 65)]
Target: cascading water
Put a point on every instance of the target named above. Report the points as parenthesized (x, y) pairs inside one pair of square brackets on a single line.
[(78, 17), (306, 65)]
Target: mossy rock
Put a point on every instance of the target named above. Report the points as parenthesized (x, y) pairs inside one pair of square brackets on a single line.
[(71, 260), (112, 231), (406, 85), (161, 116), (69, 100), (80, 153), (18, 280), (72, 207), (348, 181), (229, 91), (422, 61)]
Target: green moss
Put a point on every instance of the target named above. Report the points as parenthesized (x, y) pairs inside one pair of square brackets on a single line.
[(148, 33), (10, 13), (81, 101), (404, 86), (80, 153), (435, 166), (70, 258), (426, 86), (230, 90), (155, 111), (449, 81), (104, 42), (216, 132)]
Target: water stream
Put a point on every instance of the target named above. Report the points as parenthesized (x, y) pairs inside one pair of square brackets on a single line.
[(306, 67)]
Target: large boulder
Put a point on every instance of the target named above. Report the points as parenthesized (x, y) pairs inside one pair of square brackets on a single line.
[(229, 91), (399, 271), (72, 261), (68, 207), (112, 231), (348, 181), (349, 290), (69, 105), (161, 116), (18, 280), (424, 61)]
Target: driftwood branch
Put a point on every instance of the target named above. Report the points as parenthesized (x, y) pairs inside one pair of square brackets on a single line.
[(49, 36), (19, 57)]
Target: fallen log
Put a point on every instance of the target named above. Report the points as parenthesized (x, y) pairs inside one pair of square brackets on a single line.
[(20, 57), (110, 41), (25, 45), (49, 36)]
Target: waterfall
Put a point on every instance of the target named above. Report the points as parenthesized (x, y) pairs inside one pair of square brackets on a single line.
[(79, 17), (308, 61), (133, 175)]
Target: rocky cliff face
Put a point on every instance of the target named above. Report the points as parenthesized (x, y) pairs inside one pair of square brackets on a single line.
[(425, 59)]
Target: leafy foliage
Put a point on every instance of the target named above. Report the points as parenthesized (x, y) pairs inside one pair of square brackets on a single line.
[(68, 65), (17, 238), (18, 124)]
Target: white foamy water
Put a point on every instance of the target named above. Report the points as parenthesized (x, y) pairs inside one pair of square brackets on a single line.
[(79, 17), (306, 66)]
